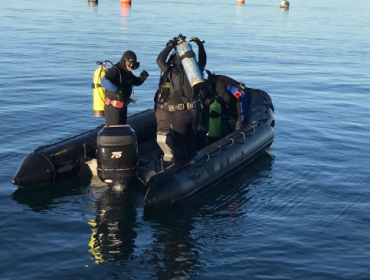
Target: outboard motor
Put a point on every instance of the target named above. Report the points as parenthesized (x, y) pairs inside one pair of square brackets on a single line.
[(188, 61), (117, 157)]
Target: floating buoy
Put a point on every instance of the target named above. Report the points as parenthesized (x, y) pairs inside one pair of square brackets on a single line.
[(125, 1), (239, 1), (284, 4), (92, 2)]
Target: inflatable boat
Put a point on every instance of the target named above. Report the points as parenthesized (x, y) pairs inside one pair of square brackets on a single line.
[(124, 153)]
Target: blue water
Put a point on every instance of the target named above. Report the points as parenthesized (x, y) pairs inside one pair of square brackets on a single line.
[(299, 212)]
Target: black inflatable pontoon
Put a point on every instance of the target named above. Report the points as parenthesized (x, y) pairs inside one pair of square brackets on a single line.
[(174, 184), (51, 163)]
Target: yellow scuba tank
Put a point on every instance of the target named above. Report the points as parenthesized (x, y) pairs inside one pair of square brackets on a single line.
[(99, 91), (215, 110)]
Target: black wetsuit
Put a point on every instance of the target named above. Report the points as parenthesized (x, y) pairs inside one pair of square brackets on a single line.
[(162, 114), (124, 80), (183, 123)]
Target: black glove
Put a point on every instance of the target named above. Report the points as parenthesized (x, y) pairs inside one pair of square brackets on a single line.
[(172, 42), (144, 74), (196, 40)]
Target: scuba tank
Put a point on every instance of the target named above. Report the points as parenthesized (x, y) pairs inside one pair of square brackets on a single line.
[(214, 130), (99, 91), (188, 61)]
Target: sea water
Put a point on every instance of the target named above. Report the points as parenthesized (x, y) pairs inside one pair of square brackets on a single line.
[(300, 211)]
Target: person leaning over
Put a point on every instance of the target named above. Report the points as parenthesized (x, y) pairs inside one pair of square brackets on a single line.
[(234, 96)]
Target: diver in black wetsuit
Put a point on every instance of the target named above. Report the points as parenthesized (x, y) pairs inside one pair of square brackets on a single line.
[(234, 96), (181, 109), (118, 95)]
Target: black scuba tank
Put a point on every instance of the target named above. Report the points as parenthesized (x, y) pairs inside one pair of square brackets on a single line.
[(117, 156)]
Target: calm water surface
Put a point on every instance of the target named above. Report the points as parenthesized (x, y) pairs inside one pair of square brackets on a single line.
[(299, 212)]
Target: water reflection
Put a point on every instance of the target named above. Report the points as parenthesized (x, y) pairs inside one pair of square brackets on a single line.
[(229, 198), (173, 253), (284, 10), (176, 247), (125, 12), (114, 232), (239, 10), (113, 235), (239, 13), (42, 199)]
